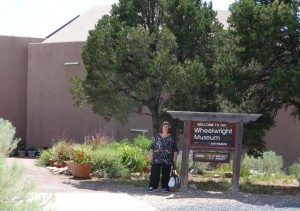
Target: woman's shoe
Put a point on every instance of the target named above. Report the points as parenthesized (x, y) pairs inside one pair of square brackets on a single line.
[(151, 189)]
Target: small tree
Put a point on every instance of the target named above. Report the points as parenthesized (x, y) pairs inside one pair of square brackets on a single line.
[(259, 65), (8, 142), (137, 57), (15, 190)]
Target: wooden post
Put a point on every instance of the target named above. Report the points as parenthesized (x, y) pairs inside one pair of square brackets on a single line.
[(212, 118), (237, 157), (185, 156)]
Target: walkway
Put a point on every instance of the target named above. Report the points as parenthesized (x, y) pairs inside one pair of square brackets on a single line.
[(68, 197)]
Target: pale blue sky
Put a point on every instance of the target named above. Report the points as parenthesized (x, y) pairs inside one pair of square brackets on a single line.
[(39, 18)]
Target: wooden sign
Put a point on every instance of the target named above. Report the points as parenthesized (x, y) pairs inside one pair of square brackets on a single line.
[(212, 134), (211, 157)]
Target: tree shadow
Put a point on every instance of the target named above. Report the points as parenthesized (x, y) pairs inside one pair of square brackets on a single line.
[(282, 197)]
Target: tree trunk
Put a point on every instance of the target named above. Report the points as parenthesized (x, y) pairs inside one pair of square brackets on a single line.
[(155, 120), (155, 123)]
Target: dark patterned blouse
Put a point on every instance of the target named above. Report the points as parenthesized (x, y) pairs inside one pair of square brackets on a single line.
[(163, 150)]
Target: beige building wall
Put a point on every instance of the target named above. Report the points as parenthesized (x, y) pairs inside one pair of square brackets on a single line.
[(50, 109), (284, 138), (35, 97), (13, 80)]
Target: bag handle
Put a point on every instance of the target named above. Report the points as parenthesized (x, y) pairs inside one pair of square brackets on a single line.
[(173, 170)]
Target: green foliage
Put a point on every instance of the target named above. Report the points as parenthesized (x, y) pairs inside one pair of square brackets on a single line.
[(270, 163), (224, 167), (213, 185), (200, 167), (62, 150), (81, 155), (133, 55), (44, 157), (244, 172), (15, 189), (133, 158), (133, 154), (142, 142), (248, 186), (259, 65), (108, 163), (8, 142), (294, 169), (255, 132), (255, 77)]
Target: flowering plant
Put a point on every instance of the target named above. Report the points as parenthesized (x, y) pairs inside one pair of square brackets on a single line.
[(81, 156)]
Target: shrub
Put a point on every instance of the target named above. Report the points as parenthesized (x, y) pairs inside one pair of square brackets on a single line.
[(98, 139), (294, 169), (44, 157), (133, 158), (269, 163), (62, 150), (272, 163), (252, 163), (108, 163), (15, 189), (7, 141), (224, 167), (142, 142), (200, 167)]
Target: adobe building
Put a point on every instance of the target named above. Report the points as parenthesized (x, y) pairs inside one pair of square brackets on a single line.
[(35, 91)]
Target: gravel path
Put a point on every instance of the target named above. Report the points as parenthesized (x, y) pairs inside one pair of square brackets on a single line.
[(185, 199), (200, 200), (189, 199)]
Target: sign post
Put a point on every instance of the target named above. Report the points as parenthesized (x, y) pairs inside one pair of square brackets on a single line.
[(212, 136)]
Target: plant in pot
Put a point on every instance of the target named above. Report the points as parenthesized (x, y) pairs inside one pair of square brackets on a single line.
[(31, 151), (21, 149), (53, 158), (81, 163), (62, 151)]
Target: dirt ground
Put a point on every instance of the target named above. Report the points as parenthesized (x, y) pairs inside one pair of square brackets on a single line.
[(280, 188)]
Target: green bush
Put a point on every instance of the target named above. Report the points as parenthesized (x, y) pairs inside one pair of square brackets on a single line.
[(200, 167), (15, 190), (8, 142), (142, 142), (108, 163), (270, 163), (294, 169), (244, 172), (62, 150), (44, 157), (133, 157), (224, 167), (252, 163)]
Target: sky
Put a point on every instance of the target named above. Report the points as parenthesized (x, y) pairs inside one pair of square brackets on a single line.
[(39, 18)]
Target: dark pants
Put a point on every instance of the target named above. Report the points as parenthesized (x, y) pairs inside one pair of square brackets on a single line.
[(155, 175)]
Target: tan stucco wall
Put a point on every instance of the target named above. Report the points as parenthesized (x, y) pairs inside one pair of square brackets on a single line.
[(13, 81), (284, 139), (50, 109)]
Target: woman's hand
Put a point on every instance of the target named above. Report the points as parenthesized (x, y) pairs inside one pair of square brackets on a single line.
[(150, 155)]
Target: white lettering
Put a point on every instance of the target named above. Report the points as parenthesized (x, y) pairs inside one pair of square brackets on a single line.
[(207, 138), (213, 130)]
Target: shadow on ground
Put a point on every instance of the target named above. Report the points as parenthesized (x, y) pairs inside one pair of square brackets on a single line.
[(282, 197)]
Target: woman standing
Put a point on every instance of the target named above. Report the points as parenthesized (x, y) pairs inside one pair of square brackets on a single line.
[(163, 154)]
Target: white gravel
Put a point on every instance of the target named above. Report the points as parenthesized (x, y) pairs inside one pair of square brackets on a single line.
[(211, 201)]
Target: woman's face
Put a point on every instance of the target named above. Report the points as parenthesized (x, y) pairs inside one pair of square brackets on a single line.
[(165, 128)]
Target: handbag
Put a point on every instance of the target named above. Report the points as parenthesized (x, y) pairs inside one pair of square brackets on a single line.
[(174, 181)]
